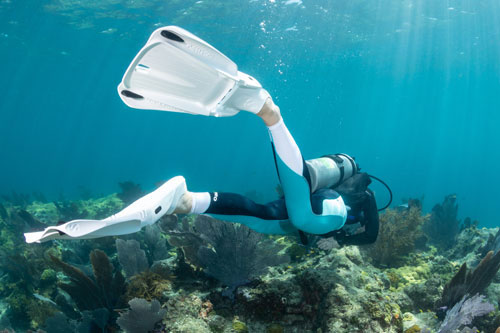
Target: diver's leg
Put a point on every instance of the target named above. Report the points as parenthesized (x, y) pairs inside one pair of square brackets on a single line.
[(224, 203), (283, 141), (328, 213), (271, 218)]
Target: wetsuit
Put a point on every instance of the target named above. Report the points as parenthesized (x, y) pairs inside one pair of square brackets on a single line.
[(318, 213)]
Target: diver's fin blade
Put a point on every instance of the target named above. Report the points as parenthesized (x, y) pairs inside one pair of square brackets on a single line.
[(177, 71), (84, 229), (49, 233), (35, 237)]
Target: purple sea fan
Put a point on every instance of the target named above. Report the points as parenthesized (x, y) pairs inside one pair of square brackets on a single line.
[(236, 253), (464, 312), (141, 317)]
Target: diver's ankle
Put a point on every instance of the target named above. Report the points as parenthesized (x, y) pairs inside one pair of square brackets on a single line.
[(270, 113), (185, 204)]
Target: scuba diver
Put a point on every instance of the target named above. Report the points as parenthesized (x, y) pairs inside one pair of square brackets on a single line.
[(178, 72)]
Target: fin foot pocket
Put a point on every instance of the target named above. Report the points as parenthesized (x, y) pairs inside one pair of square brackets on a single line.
[(170, 35), (128, 93)]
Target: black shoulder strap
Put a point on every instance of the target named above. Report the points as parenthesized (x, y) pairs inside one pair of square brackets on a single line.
[(303, 238)]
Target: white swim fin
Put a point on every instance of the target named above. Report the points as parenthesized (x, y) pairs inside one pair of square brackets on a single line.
[(84, 229), (142, 212), (177, 71)]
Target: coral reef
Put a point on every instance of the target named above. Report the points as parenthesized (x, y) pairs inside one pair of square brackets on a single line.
[(44, 212), (493, 244), (328, 292), (471, 245), (400, 231), (90, 209), (148, 285), (397, 285)]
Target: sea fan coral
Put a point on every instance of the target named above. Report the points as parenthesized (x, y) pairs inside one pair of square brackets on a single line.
[(236, 253), (130, 192), (141, 317), (443, 225), (470, 282), (132, 258), (464, 311)]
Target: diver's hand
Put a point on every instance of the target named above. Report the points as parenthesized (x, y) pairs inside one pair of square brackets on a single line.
[(270, 113)]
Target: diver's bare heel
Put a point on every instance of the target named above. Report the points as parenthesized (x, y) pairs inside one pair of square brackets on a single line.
[(270, 113), (185, 204)]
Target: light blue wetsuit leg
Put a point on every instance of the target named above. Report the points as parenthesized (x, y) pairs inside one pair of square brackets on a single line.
[(291, 170), (298, 204)]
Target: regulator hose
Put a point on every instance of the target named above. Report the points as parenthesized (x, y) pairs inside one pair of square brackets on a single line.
[(388, 189)]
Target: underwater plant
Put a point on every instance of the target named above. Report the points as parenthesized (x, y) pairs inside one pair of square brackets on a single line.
[(91, 321), (105, 290), (400, 231), (155, 244), (17, 199), (464, 312), (149, 285), (141, 317), (235, 254), (443, 226), (3, 212), (132, 259), (23, 283), (31, 221), (183, 235), (470, 282), (88, 209), (70, 210), (130, 192)]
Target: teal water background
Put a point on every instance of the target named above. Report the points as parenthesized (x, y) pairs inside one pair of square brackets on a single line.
[(410, 88)]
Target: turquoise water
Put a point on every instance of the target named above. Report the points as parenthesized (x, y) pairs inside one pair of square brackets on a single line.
[(410, 88)]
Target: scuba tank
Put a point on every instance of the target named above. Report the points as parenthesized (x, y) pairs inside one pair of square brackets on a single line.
[(342, 174), (330, 171)]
